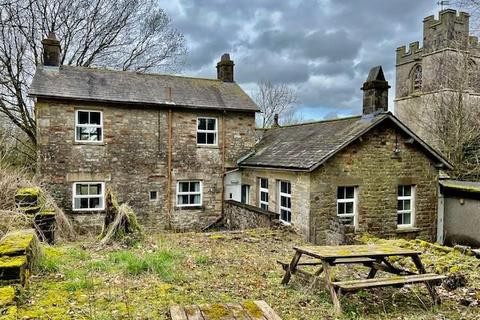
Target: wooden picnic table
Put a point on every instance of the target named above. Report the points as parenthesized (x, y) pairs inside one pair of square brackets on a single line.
[(374, 257), (248, 310)]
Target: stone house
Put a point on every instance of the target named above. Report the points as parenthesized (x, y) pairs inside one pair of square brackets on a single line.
[(177, 148), (331, 178), (163, 143)]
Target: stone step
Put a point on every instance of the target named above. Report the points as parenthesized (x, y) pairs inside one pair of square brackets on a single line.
[(19, 254), (13, 269)]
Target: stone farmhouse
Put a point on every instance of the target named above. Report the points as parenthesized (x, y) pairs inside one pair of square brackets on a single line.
[(182, 152), (161, 142)]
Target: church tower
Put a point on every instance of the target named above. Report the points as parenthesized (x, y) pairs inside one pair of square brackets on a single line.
[(433, 78)]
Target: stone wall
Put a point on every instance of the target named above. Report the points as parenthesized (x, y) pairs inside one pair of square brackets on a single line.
[(369, 165), (132, 159), (240, 216)]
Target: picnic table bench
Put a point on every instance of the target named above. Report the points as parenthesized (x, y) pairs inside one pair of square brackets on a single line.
[(375, 257), (249, 310)]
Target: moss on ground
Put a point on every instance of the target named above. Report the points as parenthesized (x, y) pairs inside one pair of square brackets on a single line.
[(82, 281), (7, 296)]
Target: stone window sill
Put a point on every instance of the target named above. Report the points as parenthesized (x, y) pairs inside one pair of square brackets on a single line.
[(91, 212), (407, 230), (206, 146), (79, 143), (190, 208)]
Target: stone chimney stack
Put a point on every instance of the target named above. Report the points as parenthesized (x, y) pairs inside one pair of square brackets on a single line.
[(276, 123), (375, 92), (225, 68), (51, 51)]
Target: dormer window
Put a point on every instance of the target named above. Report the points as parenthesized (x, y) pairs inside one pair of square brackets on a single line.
[(417, 78)]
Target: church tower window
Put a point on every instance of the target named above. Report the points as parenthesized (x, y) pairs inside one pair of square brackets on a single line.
[(417, 78), (473, 75)]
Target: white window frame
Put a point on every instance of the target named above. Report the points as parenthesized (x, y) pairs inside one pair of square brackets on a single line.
[(75, 196), (349, 200), (77, 125), (265, 190), (411, 197), (215, 131), (150, 195), (286, 195), (179, 193)]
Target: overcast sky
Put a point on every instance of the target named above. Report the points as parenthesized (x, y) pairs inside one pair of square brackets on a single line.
[(322, 48)]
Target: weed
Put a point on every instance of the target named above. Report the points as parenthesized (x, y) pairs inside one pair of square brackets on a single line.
[(78, 280), (202, 260), (162, 263)]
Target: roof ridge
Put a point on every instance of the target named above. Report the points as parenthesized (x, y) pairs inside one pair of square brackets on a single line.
[(105, 69), (314, 122)]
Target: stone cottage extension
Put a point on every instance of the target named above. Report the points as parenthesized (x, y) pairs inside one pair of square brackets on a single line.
[(368, 173), (161, 142)]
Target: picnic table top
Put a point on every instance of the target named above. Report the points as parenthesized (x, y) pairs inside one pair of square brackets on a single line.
[(355, 251), (248, 310)]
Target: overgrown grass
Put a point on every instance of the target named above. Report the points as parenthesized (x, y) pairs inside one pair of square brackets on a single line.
[(162, 263), (190, 268)]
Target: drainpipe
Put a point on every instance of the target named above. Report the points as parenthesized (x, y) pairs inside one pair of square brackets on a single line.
[(224, 129), (169, 171), (440, 217)]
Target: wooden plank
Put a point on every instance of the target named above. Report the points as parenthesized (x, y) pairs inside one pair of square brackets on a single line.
[(331, 287), (354, 251), (385, 282), (268, 312), (431, 289), (193, 313), (359, 260), (216, 311), (291, 267), (177, 313), (238, 312)]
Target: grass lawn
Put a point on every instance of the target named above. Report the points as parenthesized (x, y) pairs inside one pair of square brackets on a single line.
[(81, 281)]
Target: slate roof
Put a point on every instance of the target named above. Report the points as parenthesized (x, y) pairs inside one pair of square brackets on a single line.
[(304, 147), (102, 85)]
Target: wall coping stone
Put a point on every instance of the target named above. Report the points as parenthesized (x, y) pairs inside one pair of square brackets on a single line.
[(252, 208)]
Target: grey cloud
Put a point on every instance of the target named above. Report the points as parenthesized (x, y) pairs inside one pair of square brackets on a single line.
[(296, 41)]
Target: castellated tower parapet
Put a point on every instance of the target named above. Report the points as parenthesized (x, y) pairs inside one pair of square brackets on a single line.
[(450, 30), (414, 53)]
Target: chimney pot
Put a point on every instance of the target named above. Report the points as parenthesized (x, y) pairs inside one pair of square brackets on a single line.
[(275, 121), (375, 92), (225, 68), (51, 50)]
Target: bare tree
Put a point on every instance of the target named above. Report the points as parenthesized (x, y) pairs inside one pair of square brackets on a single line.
[(275, 99), (121, 34)]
